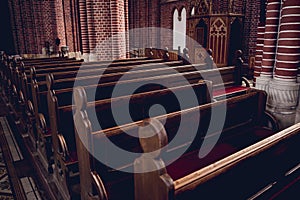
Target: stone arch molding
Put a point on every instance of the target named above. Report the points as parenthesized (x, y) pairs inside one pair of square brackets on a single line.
[(179, 28)]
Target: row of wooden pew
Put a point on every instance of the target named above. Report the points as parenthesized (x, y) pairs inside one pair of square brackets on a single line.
[(41, 95)]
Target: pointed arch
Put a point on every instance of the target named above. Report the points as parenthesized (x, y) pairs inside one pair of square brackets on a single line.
[(201, 32), (193, 11), (218, 41), (179, 29)]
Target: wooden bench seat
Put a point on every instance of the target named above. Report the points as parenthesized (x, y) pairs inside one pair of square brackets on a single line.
[(234, 105), (12, 84), (63, 142), (259, 171), (106, 89), (254, 134), (19, 70), (71, 72), (39, 72), (35, 101), (64, 88), (35, 60)]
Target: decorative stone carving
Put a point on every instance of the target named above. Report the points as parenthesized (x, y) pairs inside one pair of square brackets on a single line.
[(262, 83), (283, 94)]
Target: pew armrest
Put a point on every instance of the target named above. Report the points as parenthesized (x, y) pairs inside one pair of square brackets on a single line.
[(30, 108), (42, 124), (100, 189), (21, 98), (14, 90), (63, 148), (272, 120), (246, 81)]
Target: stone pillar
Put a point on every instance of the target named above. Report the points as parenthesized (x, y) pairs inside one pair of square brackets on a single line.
[(284, 89), (61, 32), (259, 50), (269, 45), (103, 29)]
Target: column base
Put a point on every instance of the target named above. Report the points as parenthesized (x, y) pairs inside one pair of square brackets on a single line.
[(283, 94), (283, 101), (262, 83), (285, 117)]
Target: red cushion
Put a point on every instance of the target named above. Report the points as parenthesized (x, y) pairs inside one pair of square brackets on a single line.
[(262, 133), (229, 90), (233, 141), (191, 162), (48, 132), (72, 157)]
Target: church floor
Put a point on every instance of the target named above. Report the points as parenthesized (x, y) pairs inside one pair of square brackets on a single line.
[(17, 176)]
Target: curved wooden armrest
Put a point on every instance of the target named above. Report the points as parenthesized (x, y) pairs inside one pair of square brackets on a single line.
[(14, 90), (97, 182), (246, 81), (30, 108), (63, 148), (21, 98), (270, 118), (42, 123)]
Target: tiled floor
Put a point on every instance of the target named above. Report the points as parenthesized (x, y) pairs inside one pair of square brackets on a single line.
[(22, 175), (5, 186)]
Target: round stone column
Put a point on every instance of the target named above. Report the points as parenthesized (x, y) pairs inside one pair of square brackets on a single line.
[(270, 38), (284, 89), (269, 45), (288, 50), (259, 50)]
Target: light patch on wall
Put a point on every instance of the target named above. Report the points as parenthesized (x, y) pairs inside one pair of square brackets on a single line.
[(179, 27), (193, 11)]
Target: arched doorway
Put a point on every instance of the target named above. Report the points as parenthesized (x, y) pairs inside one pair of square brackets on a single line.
[(201, 33), (179, 29), (235, 41)]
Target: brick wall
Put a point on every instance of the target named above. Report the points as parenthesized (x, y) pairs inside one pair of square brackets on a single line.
[(82, 24), (35, 22), (140, 10), (143, 14), (100, 23), (252, 14)]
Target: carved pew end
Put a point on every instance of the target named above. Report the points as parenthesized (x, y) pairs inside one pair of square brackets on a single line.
[(149, 168)]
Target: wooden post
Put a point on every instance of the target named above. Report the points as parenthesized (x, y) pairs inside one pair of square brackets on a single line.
[(179, 53), (151, 181), (83, 131), (209, 60), (186, 57), (238, 68), (166, 55)]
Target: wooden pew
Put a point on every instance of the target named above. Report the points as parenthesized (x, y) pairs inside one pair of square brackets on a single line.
[(21, 70), (12, 81), (63, 142), (262, 170), (23, 76), (117, 184), (35, 60), (27, 102), (21, 67), (71, 71), (17, 66), (39, 89), (61, 88)]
